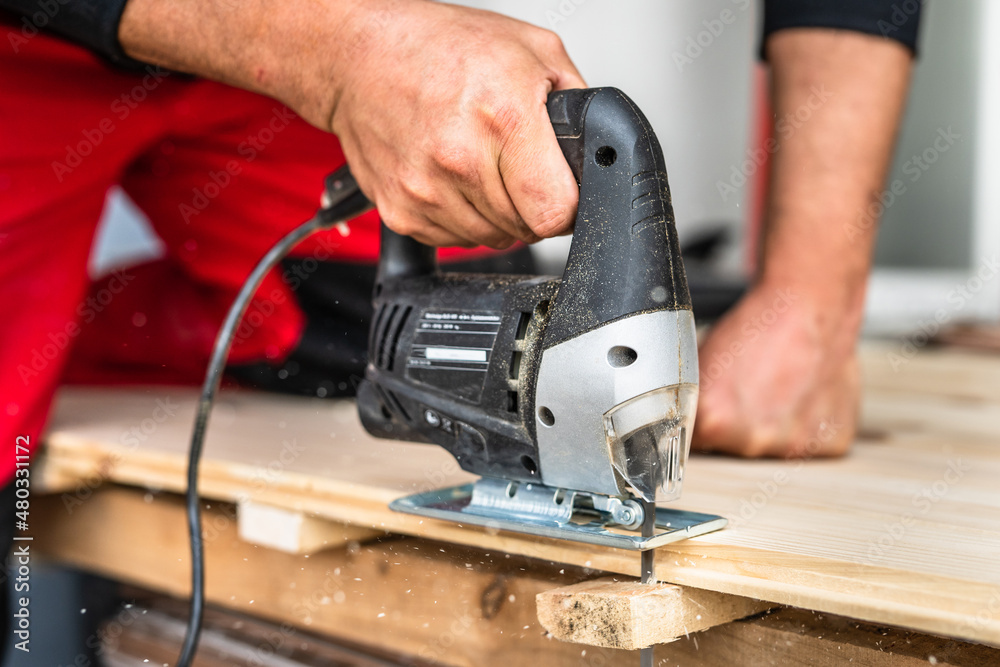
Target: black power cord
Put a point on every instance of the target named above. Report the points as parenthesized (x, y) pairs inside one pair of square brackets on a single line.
[(342, 200)]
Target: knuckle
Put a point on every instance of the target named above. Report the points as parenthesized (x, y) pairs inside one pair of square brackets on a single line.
[(711, 429), (841, 447), (420, 190), (500, 118), (455, 160), (836, 446), (499, 241), (525, 235), (755, 448), (551, 42), (401, 224), (553, 220), (796, 451)]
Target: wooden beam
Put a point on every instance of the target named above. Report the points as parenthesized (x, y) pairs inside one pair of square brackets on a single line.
[(800, 638), (150, 636), (630, 615), (295, 532)]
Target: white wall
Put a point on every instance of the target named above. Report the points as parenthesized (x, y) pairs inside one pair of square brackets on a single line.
[(939, 240), (698, 97), (936, 241), (926, 227), (699, 107)]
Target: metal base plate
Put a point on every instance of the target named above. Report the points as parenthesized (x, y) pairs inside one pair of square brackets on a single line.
[(452, 504)]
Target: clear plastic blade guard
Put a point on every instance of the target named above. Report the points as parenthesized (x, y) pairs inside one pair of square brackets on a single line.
[(649, 437)]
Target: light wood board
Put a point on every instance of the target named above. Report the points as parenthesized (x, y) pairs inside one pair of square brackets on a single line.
[(903, 531)]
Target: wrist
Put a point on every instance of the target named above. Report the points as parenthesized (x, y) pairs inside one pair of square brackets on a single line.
[(313, 51), (297, 55), (287, 50), (831, 306), (806, 253)]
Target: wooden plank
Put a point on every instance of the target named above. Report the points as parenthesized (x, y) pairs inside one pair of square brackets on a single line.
[(295, 532), (796, 637), (429, 603), (783, 637), (910, 365), (903, 531), (630, 615), (151, 637)]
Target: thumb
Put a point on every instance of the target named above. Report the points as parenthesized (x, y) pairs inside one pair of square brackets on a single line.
[(552, 54), (566, 74), (537, 176)]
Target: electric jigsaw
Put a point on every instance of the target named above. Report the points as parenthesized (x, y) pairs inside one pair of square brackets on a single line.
[(573, 398)]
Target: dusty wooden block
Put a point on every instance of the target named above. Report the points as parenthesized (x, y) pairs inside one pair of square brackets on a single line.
[(630, 615), (294, 532)]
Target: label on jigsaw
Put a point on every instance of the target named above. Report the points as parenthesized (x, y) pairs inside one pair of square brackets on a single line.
[(452, 349)]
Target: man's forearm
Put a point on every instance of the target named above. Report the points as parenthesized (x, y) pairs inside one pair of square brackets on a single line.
[(790, 384), (276, 48), (829, 168), (440, 109)]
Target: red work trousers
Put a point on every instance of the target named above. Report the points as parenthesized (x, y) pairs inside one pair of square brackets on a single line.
[(221, 173)]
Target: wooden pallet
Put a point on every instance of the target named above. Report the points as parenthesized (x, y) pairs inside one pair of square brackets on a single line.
[(425, 602), (904, 531)]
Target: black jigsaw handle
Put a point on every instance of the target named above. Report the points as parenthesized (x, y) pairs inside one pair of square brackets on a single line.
[(401, 257), (405, 257), (625, 257)]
